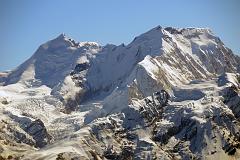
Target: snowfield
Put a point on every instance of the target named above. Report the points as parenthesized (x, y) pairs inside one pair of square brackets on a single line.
[(80, 100)]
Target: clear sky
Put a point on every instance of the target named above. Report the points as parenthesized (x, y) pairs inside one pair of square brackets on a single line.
[(26, 24)]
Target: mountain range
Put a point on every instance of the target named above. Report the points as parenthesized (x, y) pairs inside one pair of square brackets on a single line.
[(81, 100)]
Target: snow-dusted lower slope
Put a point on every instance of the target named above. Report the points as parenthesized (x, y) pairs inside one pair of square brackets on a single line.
[(82, 100), (200, 122)]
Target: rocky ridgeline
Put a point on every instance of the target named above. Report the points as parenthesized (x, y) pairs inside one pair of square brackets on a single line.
[(178, 140)]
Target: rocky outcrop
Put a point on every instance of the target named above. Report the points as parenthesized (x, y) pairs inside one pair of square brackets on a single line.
[(164, 133), (76, 74), (3, 100), (231, 97), (70, 156), (33, 133), (38, 132), (152, 107)]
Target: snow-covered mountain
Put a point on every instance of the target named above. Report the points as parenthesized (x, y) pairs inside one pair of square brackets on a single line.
[(81, 99)]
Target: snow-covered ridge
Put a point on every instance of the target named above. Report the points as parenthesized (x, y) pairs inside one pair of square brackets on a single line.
[(178, 56)]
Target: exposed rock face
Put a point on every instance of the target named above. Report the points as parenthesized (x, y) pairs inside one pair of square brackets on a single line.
[(3, 100), (39, 133), (70, 156), (14, 143), (232, 99)]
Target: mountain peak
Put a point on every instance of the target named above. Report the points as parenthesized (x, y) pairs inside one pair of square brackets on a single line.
[(61, 41), (62, 35), (157, 28)]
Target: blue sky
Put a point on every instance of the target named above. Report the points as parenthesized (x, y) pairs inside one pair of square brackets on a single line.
[(26, 24)]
